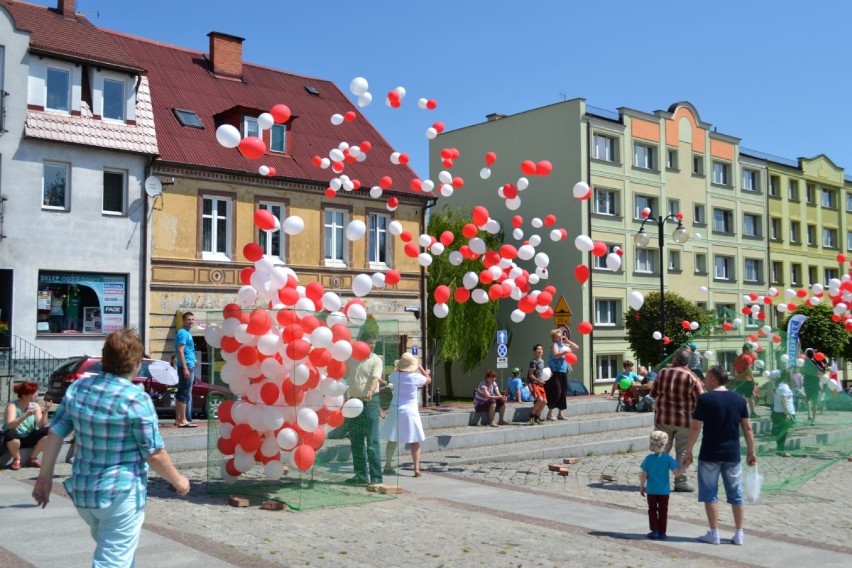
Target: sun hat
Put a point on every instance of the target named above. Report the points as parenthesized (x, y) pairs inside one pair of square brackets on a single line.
[(408, 362)]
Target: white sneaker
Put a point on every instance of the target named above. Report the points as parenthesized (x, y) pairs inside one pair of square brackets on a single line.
[(712, 537), (738, 538)]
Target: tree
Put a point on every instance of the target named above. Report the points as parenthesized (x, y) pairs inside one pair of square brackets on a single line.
[(642, 324), (820, 331), (466, 334)]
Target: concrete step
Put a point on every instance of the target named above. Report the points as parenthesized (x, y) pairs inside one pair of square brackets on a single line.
[(435, 417)]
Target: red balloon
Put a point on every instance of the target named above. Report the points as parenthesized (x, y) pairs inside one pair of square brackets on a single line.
[(458, 182), (330, 193), (250, 441), (543, 168), (321, 356), (335, 419), (801, 292), (550, 220), (486, 277), (292, 394), (517, 221), (791, 307), (227, 447), (298, 349), (461, 295), (508, 251), (393, 202), (527, 304), (253, 252), (600, 249), (245, 275), (405, 236), (310, 323), (431, 104), (581, 273), (684, 324), (252, 147), (386, 182), (232, 311), (403, 158), (819, 356), (469, 230), (528, 167), (490, 158), (314, 439), (479, 215), (303, 457), (447, 237), (272, 172), (280, 113), (546, 314), (231, 468), (349, 116), (510, 191), (269, 393), (585, 328), (544, 298), (495, 292), (335, 369), (264, 219), (441, 294), (360, 350), (225, 411), (247, 355), (230, 344), (571, 357), (288, 296), (411, 250), (259, 322), (727, 326), (392, 277), (438, 126), (314, 291)]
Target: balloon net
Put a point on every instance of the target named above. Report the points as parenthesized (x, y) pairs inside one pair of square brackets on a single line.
[(298, 448), (790, 451)]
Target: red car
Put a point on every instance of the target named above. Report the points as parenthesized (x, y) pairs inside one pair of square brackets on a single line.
[(205, 398)]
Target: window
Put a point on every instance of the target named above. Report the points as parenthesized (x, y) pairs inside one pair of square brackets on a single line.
[(700, 263), (643, 156), (215, 228), (810, 193), (723, 221), (606, 312), (721, 173), (114, 101), (828, 198), (272, 241), (751, 225), (607, 366), (750, 180), (812, 275), (55, 186), (723, 267), (600, 261), (753, 270), (725, 311), (697, 165), (250, 127), (378, 239), (849, 202), (58, 90), (829, 238), (114, 192), (795, 274), (674, 206), (795, 232), (671, 159), (726, 359), (604, 148), (774, 184), (92, 303), (640, 202), (188, 118), (829, 274), (777, 272), (674, 260), (793, 190), (698, 215), (775, 228), (646, 261), (278, 138), (606, 202), (334, 245), (810, 233), (848, 240)]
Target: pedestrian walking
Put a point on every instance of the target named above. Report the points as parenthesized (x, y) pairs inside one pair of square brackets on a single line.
[(654, 484)]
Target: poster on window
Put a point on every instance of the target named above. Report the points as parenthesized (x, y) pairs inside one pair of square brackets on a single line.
[(90, 303), (91, 320)]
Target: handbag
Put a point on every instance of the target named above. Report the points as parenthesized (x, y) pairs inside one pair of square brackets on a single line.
[(385, 396)]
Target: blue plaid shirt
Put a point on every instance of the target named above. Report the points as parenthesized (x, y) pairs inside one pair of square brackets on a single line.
[(116, 432)]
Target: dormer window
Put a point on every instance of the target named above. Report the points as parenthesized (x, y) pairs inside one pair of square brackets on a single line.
[(188, 118), (58, 90), (278, 138), (250, 127), (114, 101)]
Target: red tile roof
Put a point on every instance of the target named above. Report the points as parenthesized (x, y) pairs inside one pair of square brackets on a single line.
[(181, 78), (53, 33)]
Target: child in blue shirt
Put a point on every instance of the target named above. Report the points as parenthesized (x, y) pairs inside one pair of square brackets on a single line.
[(656, 469)]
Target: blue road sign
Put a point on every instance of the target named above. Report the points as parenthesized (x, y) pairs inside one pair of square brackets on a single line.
[(502, 336), (501, 350), (414, 350)]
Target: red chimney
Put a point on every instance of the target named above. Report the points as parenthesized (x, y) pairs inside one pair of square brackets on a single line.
[(226, 54), (67, 8)]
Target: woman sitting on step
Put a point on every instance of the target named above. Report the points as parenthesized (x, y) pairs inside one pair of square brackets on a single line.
[(25, 425), (488, 399)]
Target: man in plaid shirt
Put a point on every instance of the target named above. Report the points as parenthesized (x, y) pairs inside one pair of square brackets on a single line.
[(117, 439), (676, 392)]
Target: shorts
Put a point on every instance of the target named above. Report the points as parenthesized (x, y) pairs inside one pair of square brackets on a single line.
[(708, 481), (28, 441), (745, 388), (537, 392), (184, 390), (486, 404)]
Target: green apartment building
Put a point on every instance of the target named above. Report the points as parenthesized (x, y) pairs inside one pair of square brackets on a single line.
[(734, 204)]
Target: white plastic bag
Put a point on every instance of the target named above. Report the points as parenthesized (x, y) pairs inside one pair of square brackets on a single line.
[(753, 482)]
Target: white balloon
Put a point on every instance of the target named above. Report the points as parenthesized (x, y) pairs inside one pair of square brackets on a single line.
[(337, 119), (287, 439), (708, 354), (635, 300), (584, 243), (375, 192), (243, 461), (537, 223), (581, 189), (518, 234), (477, 245), (341, 350), (785, 358), (228, 136), (440, 310), (424, 259), (293, 225), (263, 170), (518, 316), (427, 186), (694, 325), (358, 86), (657, 335), (817, 288), (213, 336), (470, 279), (378, 279), (696, 236), (307, 419), (456, 258), (445, 177), (781, 308), (424, 240), (352, 408), (361, 285), (267, 344), (484, 173), (703, 289), (479, 296), (357, 314), (437, 249), (431, 133), (265, 121), (395, 228), (613, 262), (331, 302), (356, 230), (523, 183), (526, 252), (542, 260), (738, 322), (321, 337), (546, 373), (513, 204), (365, 99), (800, 362), (447, 190), (273, 470), (556, 235), (492, 226), (534, 240)]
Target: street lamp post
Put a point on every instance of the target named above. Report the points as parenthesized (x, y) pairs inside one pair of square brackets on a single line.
[(680, 236)]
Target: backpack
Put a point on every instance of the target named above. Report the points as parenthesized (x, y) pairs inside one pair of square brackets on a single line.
[(645, 404)]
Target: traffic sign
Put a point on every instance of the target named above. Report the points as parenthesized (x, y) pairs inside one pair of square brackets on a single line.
[(502, 336), (414, 350), (502, 362), (562, 313), (502, 351)]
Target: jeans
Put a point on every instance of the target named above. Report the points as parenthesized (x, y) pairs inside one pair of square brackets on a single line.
[(364, 435), (116, 530), (708, 481), (678, 436)]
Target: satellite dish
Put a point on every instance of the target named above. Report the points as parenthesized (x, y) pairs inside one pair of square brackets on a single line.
[(153, 186)]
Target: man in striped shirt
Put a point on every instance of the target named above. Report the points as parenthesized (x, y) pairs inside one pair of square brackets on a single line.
[(676, 392)]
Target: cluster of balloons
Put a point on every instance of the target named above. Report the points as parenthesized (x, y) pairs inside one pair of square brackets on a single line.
[(253, 147), (286, 364)]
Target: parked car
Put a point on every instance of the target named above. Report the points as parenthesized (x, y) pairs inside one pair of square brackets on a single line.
[(206, 398)]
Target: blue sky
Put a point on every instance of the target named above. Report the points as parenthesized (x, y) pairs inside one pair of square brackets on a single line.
[(772, 73)]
